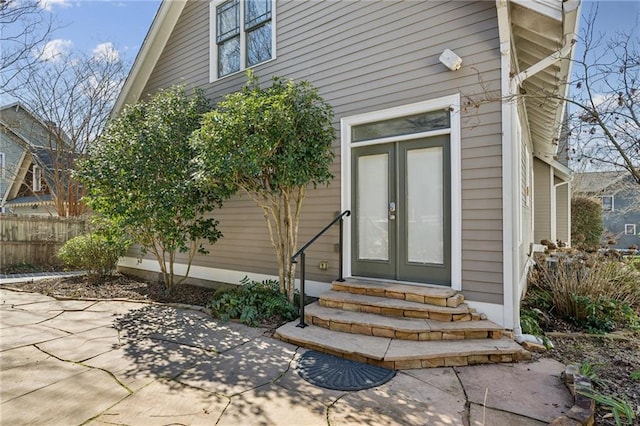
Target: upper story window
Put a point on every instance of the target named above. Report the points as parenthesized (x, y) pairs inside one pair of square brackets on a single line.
[(243, 35), (607, 203), (37, 179)]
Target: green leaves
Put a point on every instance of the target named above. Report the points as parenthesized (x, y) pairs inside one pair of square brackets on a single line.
[(141, 175), (267, 140)]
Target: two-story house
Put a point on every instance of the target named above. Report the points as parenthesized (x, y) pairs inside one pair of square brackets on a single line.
[(445, 150), (619, 194), (25, 162)]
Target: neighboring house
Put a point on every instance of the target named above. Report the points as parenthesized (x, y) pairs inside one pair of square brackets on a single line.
[(619, 194), (27, 161), (442, 192)]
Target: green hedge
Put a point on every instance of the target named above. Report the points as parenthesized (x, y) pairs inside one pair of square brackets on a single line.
[(586, 222)]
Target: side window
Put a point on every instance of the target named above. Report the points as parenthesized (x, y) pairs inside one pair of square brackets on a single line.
[(630, 229), (607, 203), (242, 35), (37, 179)]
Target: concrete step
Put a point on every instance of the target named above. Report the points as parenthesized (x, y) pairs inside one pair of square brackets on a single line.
[(396, 307), (403, 354), (411, 293), (399, 327)]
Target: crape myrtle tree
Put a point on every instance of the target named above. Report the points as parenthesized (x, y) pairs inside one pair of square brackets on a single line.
[(139, 175), (25, 24), (605, 101), (271, 144)]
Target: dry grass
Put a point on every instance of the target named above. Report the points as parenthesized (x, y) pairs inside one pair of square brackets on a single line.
[(570, 279)]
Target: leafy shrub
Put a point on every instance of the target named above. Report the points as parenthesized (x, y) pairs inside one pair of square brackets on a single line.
[(96, 252), (529, 322), (597, 292), (253, 303), (586, 222)]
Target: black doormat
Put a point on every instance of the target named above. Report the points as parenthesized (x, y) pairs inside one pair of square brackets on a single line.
[(332, 372)]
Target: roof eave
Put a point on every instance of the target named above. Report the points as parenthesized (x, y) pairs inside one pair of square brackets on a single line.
[(152, 47)]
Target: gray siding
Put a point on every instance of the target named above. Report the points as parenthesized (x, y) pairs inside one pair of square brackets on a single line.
[(541, 201), (563, 209), (366, 56)]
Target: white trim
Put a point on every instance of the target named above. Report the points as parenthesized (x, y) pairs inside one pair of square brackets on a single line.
[(213, 45), (227, 276), (509, 113), (493, 311), (452, 103), (631, 226)]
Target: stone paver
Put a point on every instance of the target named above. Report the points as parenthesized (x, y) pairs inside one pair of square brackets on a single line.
[(178, 405), (537, 394), (273, 405), (246, 367), (70, 401), (402, 401), (72, 363)]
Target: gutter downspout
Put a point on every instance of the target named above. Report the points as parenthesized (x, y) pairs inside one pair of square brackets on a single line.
[(510, 190)]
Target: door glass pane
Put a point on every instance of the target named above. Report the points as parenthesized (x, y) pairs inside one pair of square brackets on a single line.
[(425, 209), (373, 197)]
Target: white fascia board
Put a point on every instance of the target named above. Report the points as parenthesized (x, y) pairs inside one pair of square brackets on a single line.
[(147, 58)]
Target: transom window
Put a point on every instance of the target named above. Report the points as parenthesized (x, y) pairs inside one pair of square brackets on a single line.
[(244, 35), (423, 122)]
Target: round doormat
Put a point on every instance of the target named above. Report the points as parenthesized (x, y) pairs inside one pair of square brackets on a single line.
[(332, 372)]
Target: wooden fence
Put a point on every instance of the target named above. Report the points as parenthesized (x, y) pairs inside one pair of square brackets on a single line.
[(35, 239)]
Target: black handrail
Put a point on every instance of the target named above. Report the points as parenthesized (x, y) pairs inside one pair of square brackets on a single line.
[(300, 253)]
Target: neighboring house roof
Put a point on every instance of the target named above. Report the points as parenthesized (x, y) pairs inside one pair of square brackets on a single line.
[(34, 135), (598, 182), (27, 201)]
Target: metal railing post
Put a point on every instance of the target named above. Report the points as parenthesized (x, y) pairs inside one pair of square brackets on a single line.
[(300, 253), (340, 245), (302, 293)]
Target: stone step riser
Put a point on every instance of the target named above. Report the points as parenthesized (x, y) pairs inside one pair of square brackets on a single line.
[(451, 302), (426, 362), (470, 315), (369, 330)]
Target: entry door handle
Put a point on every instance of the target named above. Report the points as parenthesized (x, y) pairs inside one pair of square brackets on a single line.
[(392, 210)]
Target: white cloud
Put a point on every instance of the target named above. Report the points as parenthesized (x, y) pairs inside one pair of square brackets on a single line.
[(106, 52), (48, 4), (54, 50)]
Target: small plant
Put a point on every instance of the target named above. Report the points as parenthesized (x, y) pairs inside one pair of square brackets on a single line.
[(529, 322), (96, 252), (253, 303), (590, 371), (635, 375), (621, 409)]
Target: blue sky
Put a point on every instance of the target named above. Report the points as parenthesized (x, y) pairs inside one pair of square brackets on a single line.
[(86, 24)]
